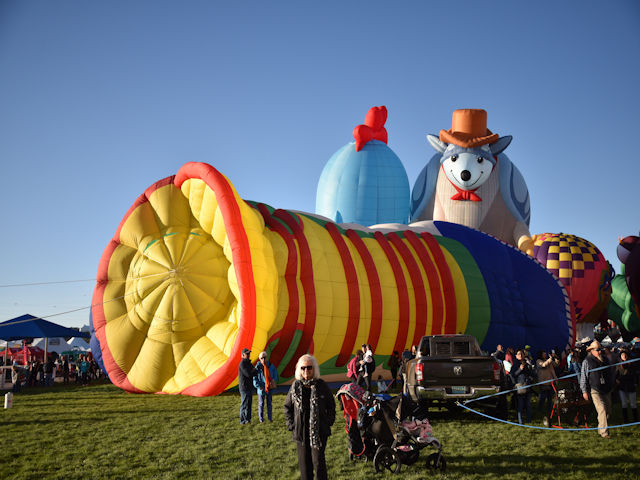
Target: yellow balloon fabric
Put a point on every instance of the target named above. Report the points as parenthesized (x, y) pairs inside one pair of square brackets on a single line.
[(174, 287), (194, 274)]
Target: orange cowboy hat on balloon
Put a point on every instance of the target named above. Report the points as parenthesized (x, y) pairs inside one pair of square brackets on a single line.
[(469, 129)]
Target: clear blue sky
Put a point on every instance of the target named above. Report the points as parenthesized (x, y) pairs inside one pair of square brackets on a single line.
[(98, 100)]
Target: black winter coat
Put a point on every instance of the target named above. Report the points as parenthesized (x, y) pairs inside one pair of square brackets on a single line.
[(522, 374), (294, 413), (246, 372), (627, 377)]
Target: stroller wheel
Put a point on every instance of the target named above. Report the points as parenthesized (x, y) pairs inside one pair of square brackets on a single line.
[(436, 461), (386, 459)]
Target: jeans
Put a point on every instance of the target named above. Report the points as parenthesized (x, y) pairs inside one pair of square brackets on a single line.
[(546, 396), (261, 401), (627, 399), (524, 405), (245, 406), (365, 378)]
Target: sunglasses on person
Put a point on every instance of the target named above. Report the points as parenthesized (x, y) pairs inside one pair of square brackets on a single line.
[(306, 367)]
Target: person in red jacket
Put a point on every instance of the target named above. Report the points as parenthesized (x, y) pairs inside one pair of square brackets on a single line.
[(353, 366)]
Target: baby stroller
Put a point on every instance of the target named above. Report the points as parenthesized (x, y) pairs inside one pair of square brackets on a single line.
[(568, 404), (361, 446), (400, 430)]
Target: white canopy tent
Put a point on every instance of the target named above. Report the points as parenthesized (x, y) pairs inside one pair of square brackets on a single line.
[(55, 344), (78, 343)]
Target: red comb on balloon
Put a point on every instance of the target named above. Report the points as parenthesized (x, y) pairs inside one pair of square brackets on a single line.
[(373, 128)]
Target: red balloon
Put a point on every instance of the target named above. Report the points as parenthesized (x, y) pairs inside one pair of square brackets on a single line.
[(581, 268)]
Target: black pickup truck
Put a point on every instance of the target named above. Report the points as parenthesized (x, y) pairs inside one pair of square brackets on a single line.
[(450, 368)]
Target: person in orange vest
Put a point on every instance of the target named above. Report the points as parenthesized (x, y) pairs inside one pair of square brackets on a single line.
[(265, 382)]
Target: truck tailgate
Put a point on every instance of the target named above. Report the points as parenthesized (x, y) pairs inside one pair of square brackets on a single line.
[(467, 370)]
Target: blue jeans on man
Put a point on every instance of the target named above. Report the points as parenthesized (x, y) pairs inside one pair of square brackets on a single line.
[(524, 406), (262, 398), (246, 398)]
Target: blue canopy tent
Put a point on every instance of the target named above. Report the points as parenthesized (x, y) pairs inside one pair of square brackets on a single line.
[(28, 326)]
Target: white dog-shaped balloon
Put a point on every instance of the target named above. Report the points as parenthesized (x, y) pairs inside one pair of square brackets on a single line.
[(471, 182)]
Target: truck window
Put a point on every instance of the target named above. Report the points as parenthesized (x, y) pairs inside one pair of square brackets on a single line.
[(443, 348), (461, 348), (425, 350)]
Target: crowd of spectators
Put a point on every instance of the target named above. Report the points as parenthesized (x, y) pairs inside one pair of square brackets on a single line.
[(58, 368), (589, 371)]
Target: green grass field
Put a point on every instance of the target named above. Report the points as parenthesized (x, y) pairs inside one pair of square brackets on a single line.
[(101, 432)]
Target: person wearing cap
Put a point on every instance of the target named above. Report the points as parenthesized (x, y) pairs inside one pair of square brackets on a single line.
[(527, 354), (265, 382), (246, 372), (598, 382)]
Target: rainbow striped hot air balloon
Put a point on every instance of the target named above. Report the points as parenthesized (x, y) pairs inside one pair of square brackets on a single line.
[(194, 274)]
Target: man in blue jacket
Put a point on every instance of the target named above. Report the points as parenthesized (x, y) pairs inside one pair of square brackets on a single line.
[(265, 382), (246, 372)]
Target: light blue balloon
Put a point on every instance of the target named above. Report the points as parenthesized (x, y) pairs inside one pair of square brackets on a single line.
[(366, 187)]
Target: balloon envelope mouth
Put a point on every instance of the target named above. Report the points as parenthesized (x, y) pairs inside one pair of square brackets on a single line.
[(178, 286)]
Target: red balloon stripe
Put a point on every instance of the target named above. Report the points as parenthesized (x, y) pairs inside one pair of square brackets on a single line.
[(291, 271), (306, 278), (403, 294), (374, 288), (419, 291), (353, 291)]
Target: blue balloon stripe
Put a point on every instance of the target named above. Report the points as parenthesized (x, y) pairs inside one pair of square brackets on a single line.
[(527, 303)]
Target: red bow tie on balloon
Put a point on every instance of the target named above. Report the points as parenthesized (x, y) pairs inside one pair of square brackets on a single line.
[(373, 128), (464, 194)]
